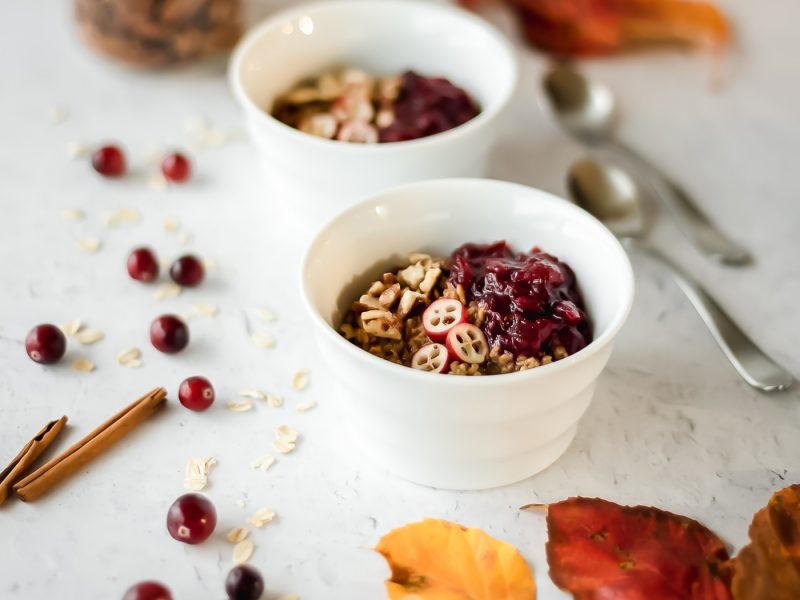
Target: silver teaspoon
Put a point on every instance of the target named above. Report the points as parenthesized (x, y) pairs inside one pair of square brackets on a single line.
[(586, 109), (612, 195)]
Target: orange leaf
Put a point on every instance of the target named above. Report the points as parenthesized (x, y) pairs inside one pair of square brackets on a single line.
[(769, 566), (439, 560)]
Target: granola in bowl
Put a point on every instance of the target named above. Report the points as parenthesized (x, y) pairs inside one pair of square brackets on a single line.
[(484, 310)]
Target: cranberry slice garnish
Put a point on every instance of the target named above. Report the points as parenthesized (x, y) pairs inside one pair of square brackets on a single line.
[(176, 167), (143, 265), (196, 393), (441, 316), (467, 343), (169, 334), (45, 344), (191, 519), (109, 161), (244, 582), (187, 271), (433, 358), (148, 590)]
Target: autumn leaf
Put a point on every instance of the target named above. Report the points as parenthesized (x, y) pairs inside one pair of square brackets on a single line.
[(439, 560), (769, 566), (598, 550)]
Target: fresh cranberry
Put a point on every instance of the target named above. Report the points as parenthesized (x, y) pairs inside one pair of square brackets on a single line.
[(142, 265), (531, 300), (169, 334), (187, 271), (148, 590), (191, 519), (196, 393), (109, 161), (176, 167), (244, 583), (45, 344)]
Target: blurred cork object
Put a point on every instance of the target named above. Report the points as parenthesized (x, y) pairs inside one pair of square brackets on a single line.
[(159, 33)]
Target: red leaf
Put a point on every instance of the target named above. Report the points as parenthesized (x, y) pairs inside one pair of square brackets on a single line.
[(598, 550)]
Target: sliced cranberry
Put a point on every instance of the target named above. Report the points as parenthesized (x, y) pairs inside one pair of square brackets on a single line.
[(441, 316), (467, 343), (196, 393), (148, 590), (244, 582), (176, 167), (169, 334), (431, 357), (142, 265), (109, 161), (45, 344), (187, 271), (191, 519)]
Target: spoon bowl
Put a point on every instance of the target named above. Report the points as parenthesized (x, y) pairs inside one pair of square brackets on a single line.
[(586, 109)]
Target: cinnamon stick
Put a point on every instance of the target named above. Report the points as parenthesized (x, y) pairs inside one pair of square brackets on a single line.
[(28, 455), (98, 441)]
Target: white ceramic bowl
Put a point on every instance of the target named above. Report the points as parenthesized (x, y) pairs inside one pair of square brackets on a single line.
[(462, 432), (319, 177)]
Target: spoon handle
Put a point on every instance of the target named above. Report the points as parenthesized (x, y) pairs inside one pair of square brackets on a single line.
[(692, 220), (757, 369)]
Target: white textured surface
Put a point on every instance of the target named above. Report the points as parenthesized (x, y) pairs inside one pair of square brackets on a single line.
[(671, 424)]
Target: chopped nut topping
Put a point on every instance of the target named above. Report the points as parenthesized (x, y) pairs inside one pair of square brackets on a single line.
[(430, 280), (389, 296), (376, 289), (412, 275), (408, 301)]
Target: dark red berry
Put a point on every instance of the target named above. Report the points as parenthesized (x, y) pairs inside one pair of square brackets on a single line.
[(176, 167), (148, 590), (169, 334), (187, 271), (244, 583), (142, 265), (196, 393), (109, 161), (191, 519), (45, 344)]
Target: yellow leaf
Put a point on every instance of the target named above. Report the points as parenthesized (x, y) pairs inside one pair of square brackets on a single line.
[(439, 560)]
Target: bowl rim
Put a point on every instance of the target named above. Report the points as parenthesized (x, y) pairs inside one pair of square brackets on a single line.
[(274, 21), (369, 360)]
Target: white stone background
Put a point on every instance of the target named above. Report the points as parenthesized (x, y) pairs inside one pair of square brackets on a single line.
[(671, 424)]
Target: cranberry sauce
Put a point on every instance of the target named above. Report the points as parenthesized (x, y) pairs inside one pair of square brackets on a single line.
[(427, 105), (531, 300)]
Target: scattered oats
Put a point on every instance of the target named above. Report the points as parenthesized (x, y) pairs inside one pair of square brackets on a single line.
[(242, 552), (89, 336), (307, 405), (89, 244), (170, 224), (57, 114), (264, 314), (208, 310), (133, 364), (210, 264), (263, 463), (167, 290), (185, 238), (284, 432), (274, 400), (158, 182), (240, 406), (252, 392), (296, 597), (262, 517), (283, 446), (83, 365), (262, 339), (72, 214), (72, 327), (300, 380), (197, 470), (215, 137), (77, 150), (241, 503), (237, 534), (153, 156), (126, 357), (121, 215)]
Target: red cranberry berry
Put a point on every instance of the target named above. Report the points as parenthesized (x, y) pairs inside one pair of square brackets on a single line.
[(142, 265), (244, 583), (169, 334), (176, 167), (191, 519), (45, 344), (148, 590), (109, 161), (187, 271), (196, 393)]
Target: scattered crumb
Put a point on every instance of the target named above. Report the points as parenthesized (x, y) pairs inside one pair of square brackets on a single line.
[(170, 224), (262, 339), (237, 534), (89, 244), (185, 238), (72, 214), (284, 432), (240, 406), (130, 357), (77, 150), (89, 336), (57, 114), (208, 310), (242, 552), (252, 392), (283, 446), (167, 290), (300, 380), (262, 517), (84, 365), (158, 182), (274, 400), (263, 463), (307, 405), (121, 215), (197, 471), (72, 327)]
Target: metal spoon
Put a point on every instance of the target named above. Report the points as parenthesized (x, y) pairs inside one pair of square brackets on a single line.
[(587, 111), (612, 196)]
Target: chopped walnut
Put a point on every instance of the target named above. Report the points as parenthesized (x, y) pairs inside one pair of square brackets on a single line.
[(376, 289), (389, 296), (412, 275), (408, 301), (389, 278), (367, 303), (382, 323), (430, 280)]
